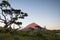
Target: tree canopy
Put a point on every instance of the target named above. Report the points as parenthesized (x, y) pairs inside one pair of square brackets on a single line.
[(10, 16)]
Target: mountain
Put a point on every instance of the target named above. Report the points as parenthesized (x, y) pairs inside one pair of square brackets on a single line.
[(32, 25)]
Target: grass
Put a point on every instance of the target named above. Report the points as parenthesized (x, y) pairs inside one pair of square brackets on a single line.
[(30, 35)]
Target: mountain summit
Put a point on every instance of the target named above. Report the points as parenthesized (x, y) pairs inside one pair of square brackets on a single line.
[(32, 25)]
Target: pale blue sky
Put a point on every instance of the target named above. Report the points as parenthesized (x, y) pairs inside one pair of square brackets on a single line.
[(42, 12)]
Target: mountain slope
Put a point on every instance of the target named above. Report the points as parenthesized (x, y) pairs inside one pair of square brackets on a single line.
[(32, 25)]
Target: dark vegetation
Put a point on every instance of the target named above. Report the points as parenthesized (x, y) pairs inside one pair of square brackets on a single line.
[(30, 35)]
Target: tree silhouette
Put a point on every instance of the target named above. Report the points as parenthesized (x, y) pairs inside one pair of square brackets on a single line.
[(31, 28), (38, 27), (10, 16)]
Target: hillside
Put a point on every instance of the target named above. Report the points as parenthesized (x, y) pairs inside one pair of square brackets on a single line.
[(31, 35), (34, 26)]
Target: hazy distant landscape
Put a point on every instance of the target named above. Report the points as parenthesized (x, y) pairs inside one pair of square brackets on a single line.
[(30, 32)]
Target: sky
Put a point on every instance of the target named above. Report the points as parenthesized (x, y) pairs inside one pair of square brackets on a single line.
[(43, 12)]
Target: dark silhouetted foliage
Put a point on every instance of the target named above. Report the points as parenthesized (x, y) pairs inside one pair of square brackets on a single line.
[(11, 15)]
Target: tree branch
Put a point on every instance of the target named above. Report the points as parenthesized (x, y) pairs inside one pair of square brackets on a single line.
[(2, 19), (3, 14)]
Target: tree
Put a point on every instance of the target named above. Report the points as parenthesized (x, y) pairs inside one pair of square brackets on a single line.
[(31, 28), (10, 16), (38, 27)]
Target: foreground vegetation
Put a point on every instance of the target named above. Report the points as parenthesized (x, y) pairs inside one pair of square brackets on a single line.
[(30, 35)]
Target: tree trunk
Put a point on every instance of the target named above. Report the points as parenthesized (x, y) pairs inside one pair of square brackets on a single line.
[(5, 26)]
